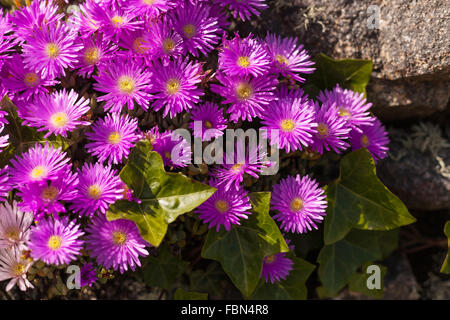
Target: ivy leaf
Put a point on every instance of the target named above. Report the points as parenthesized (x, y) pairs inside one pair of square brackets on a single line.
[(292, 288), (241, 250), (339, 261), (352, 74), (208, 280), (163, 270), (446, 265), (164, 195), (358, 282), (186, 295), (358, 199)]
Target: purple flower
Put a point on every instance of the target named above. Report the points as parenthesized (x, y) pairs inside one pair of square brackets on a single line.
[(332, 130), (58, 113), (14, 266), (373, 137), (197, 28), (50, 49), (5, 186), (287, 57), (137, 44), (38, 164), (243, 57), (351, 106), (95, 52), (149, 8), (210, 116), (56, 241), (25, 82), (174, 151), (98, 187), (43, 198), (175, 86), (115, 244), (112, 137), (165, 42), (244, 9), (224, 207), (300, 203), (14, 226), (294, 120), (125, 81), (276, 267), (88, 275), (248, 96)]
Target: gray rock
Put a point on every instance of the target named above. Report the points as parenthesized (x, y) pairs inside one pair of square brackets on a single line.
[(418, 167)]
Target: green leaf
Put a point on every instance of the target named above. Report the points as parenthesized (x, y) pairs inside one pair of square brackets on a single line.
[(164, 196), (185, 295), (291, 288), (446, 265), (242, 249), (352, 74), (358, 283), (358, 199), (339, 261), (208, 280), (163, 270)]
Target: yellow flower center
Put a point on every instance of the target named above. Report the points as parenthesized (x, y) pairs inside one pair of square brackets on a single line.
[(50, 193), (54, 242), (189, 30), (365, 141), (296, 204), (117, 21), (168, 45), (52, 50), (168, 155), (270, 259), (31, 79), (92, 55), (281, 59), (94, 191), (149, 2), (19, 269), (322, 128), (38, 172), (343, 112), (208, 124), (59, 120), (114, 138), (244, 91), (287, 125), (222, 206), (119, 238), (126, 84), (172, 86), (243, 62), (237, 167), (12, 234), (139, 45)]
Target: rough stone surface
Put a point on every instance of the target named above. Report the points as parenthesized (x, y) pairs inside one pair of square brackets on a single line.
[(410, 50)]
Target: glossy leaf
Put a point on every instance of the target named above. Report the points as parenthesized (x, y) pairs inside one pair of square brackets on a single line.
[(163, 270), (292, 288), (241, 250), (189, 295), (358, 199), (446, 265), (164, 196)]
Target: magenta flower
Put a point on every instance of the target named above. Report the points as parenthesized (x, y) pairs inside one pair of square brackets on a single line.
[(276, 267), (248, 96), (125, 82), (58, 113), (88, 275), (224, 207), (210, 116), (244, 9), (175, 86), (5, 186), (300, 204), (174, 151), (56, 241), (294, 119), (244, 57), (165, 42), (197, 28), (116, 244), (50, 50), (137, 44), (149, 8), (373, 137), (98, 187), (112, 137), (288, 58), (332, 131)]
